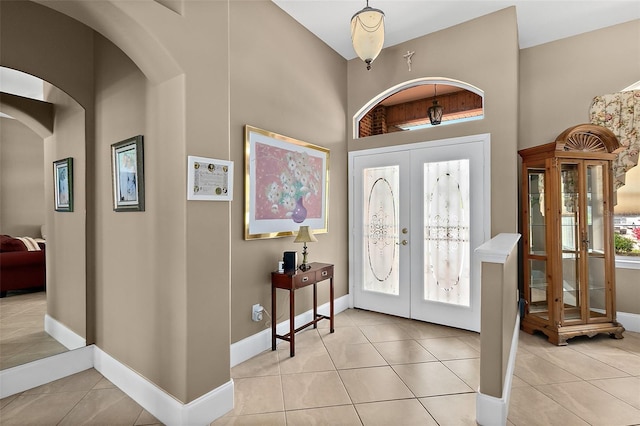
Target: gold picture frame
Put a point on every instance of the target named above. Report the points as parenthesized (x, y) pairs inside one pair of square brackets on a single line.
[(286, 185)]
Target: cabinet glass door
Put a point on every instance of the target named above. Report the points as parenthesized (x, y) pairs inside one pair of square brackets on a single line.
[(594, 239), (538, 285), (570, 223)]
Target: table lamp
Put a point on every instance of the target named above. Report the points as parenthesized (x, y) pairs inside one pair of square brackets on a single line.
[(305, 235)]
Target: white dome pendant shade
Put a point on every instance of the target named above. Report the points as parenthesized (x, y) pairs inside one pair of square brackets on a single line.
[(367, 33)]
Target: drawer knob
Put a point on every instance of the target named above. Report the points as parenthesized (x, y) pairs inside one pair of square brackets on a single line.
[(305, 279), (324, 273)]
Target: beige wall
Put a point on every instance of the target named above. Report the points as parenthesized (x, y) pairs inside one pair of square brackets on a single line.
[(292, 84), (482, 52), (558, 80), (166, 292), (22, 203)]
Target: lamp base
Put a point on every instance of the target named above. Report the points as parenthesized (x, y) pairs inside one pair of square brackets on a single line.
[(304, 267)]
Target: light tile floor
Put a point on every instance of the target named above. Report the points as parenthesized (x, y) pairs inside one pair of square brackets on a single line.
[(381, 370), (22, 336)]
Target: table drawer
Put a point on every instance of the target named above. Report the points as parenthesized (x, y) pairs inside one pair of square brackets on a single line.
[(324, 273), (302, 279)]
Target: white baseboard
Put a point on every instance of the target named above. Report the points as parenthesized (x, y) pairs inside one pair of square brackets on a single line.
[(27, 376), (163, 406), (63, 334), (489, 409), (253, 345), (631, 322)]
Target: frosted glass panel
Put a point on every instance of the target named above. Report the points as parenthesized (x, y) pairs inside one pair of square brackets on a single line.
[(381, 229), (446, 232)]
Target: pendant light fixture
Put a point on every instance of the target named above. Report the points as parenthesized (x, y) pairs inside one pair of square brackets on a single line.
[(435, 111), (367, 33)]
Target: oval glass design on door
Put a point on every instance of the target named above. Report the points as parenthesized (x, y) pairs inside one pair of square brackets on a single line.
[(446, 237), (380, 231)]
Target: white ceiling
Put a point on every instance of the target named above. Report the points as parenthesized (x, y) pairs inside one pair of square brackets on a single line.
[(538, 21)]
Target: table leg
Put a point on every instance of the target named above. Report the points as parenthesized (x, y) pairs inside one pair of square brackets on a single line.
[(331, 305), (292, 326), (273, 318), (315, 306)]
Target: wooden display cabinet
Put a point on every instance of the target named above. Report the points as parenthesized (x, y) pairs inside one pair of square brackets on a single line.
[(567, 226)]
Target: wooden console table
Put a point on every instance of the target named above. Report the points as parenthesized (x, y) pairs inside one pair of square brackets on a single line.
[(292, 281)]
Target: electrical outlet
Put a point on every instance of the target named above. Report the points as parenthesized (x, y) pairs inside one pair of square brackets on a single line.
[(256, 312)]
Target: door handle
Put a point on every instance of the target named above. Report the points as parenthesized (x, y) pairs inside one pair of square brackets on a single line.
[(405, 242), (405, 230)]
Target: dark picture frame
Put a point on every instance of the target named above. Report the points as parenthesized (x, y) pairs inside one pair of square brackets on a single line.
[(63, 185), (127, 170)]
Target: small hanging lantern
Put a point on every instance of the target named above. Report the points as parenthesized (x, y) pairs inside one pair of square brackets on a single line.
[(435, 111)]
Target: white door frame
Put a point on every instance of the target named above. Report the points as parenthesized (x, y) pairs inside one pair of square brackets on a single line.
[(485, 138)]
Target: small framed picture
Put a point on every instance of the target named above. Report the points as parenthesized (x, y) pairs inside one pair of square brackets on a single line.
[(127, 168), (63, 185), (209, 179)]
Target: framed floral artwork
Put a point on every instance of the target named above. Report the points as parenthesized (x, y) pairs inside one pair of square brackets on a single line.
[(63, 185), (127, 168), (286, 185)]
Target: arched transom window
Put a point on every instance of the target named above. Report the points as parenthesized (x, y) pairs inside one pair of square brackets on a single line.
[(406, 106)]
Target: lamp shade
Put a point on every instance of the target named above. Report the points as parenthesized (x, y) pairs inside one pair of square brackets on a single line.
[(367, 33), (305, 235)]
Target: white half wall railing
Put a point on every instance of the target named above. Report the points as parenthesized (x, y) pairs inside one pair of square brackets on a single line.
[(500, 322)]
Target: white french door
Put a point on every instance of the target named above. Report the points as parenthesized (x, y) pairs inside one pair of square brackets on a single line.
[(417, 214)]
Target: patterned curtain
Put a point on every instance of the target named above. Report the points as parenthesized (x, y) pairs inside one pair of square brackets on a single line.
[(620, 113)]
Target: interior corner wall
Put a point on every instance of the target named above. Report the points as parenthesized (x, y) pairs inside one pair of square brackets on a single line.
[(558, 81), (137, 311), (187, 113), (284, 80), (482, 52), (22, 203)]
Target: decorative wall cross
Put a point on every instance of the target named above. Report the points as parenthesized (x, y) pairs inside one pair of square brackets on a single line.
[(408, 56)]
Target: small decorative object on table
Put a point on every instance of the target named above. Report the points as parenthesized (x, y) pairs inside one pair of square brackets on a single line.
[(305, 235)]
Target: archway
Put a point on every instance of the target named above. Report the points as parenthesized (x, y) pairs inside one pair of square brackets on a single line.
[(405, 106)]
